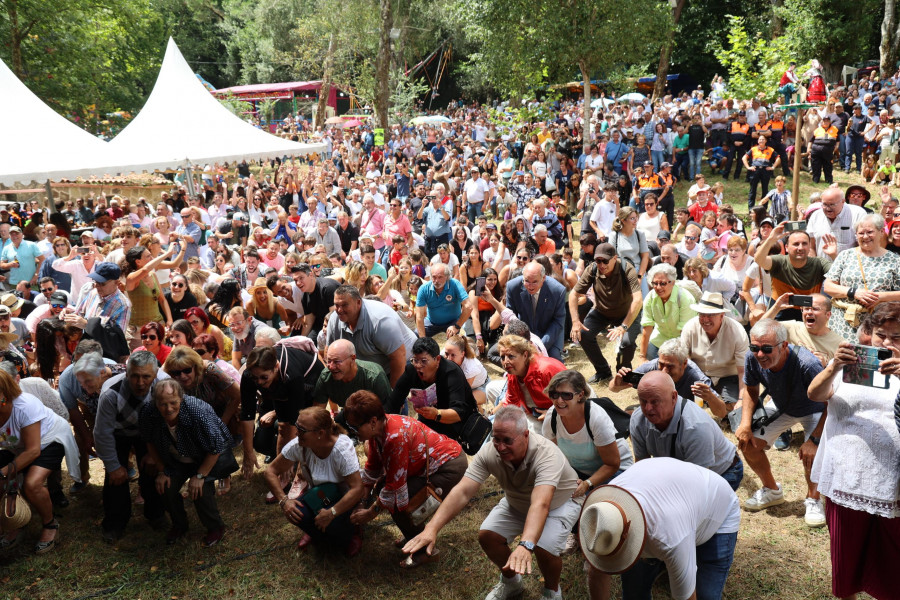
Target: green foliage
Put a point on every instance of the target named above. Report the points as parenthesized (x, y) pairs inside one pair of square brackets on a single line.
[(754, 64), (834, 31), (405, 93)]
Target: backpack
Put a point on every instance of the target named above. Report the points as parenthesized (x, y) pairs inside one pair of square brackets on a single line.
[(621, 420)]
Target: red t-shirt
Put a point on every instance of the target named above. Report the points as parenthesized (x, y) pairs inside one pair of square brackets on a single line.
[(697, 212)]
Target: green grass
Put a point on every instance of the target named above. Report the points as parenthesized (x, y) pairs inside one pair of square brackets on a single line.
[(777, 556)]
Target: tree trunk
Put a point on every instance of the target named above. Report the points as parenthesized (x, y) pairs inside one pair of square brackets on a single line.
[(665, 55), (383, 66), (325, 90), (587, 133), (16, 35), (889, 38), (777, 22)]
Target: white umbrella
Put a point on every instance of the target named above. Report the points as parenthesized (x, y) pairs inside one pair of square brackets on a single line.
[(632, 97), (604, 102)]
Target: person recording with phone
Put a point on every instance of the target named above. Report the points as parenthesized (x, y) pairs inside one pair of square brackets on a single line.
[(811, 331)]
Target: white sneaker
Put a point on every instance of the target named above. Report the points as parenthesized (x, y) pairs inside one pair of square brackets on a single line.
[(815, 513), (506, 590), (764, 498)]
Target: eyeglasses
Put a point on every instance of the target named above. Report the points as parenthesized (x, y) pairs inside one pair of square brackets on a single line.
[(335, 361), (300, 429), (47, 290), (420, 361), (602, 261), (60, 245), (146, 336), (57, 306), (660, 283), (693, 238), (181, 372), (564, 396), (503, 441), (765, 349), (177, 285)]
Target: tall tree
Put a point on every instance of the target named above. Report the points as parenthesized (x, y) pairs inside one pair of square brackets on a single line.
[(665, 54), (383, 65), (890, 39)]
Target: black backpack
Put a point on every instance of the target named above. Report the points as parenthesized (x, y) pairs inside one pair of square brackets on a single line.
[(621, 419)]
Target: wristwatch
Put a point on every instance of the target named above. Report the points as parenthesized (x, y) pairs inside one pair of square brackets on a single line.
[(527, 545), (438, 417), (200, 476), (589, 483), (333, 512), (814, 440)]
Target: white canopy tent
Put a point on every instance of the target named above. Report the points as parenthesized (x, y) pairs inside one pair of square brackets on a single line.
[(40, 144), (182, 125)]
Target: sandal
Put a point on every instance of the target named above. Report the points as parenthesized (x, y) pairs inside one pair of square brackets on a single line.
[(417, 559), (44, 547), (9, 544)]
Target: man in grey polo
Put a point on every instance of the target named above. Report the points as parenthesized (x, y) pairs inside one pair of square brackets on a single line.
[(377, 332), (667, 425)]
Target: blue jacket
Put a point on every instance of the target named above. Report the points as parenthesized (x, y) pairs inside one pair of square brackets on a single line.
[(549, 321)]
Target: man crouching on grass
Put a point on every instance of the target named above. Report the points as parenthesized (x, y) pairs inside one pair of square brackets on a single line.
[(538, 505)]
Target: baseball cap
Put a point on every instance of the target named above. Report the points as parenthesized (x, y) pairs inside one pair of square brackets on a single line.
[(59, 297), (105, 271), (663, 235), (605, 250), (767, 220), (15, 229), (239, 217)]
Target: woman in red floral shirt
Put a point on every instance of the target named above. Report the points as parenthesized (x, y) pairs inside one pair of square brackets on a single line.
[(396, 462)]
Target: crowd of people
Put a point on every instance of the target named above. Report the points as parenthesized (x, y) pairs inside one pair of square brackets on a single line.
[(287, 313)]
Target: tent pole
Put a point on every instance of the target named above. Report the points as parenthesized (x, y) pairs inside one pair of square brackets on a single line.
[(51, 205), (189, 179)]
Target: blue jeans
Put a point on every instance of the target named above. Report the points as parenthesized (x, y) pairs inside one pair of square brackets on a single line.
[(854, 148), (680, 169), (338, 533), (788, 89), (696, 158), (714, 558), (652, 351), (735, 473), (474, 210), (658, 157)]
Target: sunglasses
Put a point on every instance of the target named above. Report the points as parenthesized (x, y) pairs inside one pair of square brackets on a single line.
[(765, 349), (315, 266), (693, 238), (565, 396), (146, 336), (57, 306), (181, 372), (47, 291), (177, 285), (602, 261)]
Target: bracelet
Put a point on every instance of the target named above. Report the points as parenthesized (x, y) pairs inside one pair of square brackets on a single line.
[(283, 500), (478, 336), (851, 293)]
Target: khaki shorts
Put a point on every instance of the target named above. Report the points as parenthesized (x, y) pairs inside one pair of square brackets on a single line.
[(509, 523)]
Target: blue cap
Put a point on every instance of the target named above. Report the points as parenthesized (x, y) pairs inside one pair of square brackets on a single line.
[(105, 271)]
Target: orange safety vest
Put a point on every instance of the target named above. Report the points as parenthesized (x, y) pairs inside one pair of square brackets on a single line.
[(652, 182), (739, 131), (822, 133), (757, 153)]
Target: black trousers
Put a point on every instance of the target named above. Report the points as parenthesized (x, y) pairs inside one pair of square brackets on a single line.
[(117, 498), (759, 175), (598, 325), (206, 506), (735, 157), (821, 164)]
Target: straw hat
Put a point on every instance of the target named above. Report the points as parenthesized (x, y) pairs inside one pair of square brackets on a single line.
[(612, 529), (711, 303)]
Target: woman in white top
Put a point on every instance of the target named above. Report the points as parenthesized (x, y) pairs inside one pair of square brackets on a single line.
[(735, 266), (33, 442), (857, 465), (651, 221), (457, 349), (590, 446), (330, 466), (539, 170)]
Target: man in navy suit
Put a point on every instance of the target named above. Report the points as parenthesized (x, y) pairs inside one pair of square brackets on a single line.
[(540, 302)]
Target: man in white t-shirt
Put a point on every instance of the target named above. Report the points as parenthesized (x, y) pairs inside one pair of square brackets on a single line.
[(604, 213), (475, 192), (836, 218), (684, 516), (689, 246)]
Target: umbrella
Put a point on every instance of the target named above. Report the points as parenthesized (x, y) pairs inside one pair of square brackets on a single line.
[(604, 102), (632, 97), (334, 121), (418, 120), (437, 119), (352, 123)]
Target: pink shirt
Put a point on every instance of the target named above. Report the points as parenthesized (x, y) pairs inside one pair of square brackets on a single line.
[(400, 227), (373, 224)]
